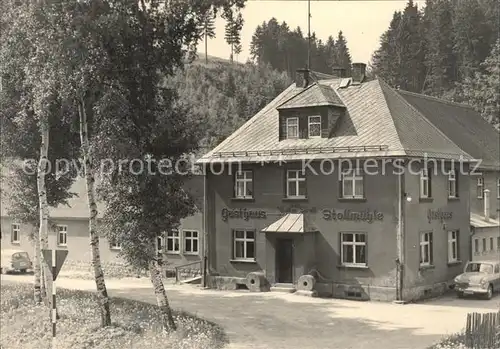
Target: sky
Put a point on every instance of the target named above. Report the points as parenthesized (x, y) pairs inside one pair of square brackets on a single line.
[(362, 23)]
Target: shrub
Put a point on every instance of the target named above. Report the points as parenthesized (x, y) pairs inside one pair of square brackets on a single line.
[(26, 326)]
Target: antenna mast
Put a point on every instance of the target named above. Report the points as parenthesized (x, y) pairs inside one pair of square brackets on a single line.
[(309, 34)]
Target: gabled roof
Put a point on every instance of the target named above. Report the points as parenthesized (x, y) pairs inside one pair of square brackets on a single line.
[(477, 221), (462, 124), (384, 125), (315, 95)]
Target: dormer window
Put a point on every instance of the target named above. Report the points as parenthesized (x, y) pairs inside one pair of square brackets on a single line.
[(314, 126), (292, 128)]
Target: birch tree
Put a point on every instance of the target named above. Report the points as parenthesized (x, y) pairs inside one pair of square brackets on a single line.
[(29, 109)]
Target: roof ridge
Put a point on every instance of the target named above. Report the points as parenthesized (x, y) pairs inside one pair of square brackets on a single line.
[(298, 94), (250, 121), (444, 101), (398, 96)]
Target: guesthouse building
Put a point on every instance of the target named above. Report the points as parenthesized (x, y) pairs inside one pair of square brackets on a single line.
[(342, 180)]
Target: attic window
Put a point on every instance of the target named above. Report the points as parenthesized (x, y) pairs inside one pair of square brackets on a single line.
[(314, 126), (292, 127)]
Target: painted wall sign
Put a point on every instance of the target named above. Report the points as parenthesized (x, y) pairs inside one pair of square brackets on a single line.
[(296, 209), (348, 215), (439, 215), (242, 213)]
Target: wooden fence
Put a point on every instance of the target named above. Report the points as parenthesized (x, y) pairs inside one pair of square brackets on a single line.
[(483, 331)]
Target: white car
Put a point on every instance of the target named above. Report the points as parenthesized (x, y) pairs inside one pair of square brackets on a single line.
[(479, 278)]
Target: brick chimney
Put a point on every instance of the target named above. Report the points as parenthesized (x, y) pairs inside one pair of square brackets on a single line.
[(486, 205), (358, 72), (302, 78), (339, 72)]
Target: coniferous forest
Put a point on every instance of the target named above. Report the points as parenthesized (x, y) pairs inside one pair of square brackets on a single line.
[(448, 49)]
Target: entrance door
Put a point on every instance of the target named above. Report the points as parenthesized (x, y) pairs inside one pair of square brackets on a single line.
[(284, 261)]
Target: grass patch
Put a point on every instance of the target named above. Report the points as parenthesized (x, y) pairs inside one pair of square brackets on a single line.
[(26, 326), (455, 341)]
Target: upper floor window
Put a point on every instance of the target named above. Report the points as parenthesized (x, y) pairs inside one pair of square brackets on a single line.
[(476, 246), (484, 245), (190, 242), (352, 184), (452, 184), (292, 127), (314, 126), (492, 245), (425, 183), (480, 187), (243, 185), (498, 188), (15, 235), (295, 184), (62, 235), (426, 247)]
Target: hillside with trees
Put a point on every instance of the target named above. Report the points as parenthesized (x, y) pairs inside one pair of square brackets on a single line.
[(449, 49), (286, 50), (223, 95)]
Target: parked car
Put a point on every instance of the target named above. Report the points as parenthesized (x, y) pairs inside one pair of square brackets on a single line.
[(479, 278), (15, 260)]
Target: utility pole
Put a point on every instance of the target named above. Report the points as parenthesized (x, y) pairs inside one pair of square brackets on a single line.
[(309, 34)]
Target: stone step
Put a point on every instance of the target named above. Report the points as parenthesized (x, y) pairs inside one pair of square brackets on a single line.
[(285, 288), (193, 280)]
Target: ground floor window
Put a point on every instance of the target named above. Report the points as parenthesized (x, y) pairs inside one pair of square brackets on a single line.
[(244, 244), (426, 248), (476, 246), (173, 241), (353, 251), (15, 235), (190, 242), (453, 246), (62, 235)]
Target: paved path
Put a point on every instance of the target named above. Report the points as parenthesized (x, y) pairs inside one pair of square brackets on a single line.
[(288, 321)]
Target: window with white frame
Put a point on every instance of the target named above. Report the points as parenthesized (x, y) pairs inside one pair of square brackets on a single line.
[(292, 127), (426, 248), (476, 246), (114, 244), (173, 241), (353, 251), (480, 187), (244, 245), (498, 188), (352, 184), (484, 245), (295, 184), (243, 184), (453, 249), (191, 245), (15, 233), (314, 126), (62, 235), (160, 246), (452, 184), (425, 183)]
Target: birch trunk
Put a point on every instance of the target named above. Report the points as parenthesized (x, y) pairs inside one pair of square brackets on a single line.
[(167, 319), (43, 231), (93, 234), (37, 292)]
